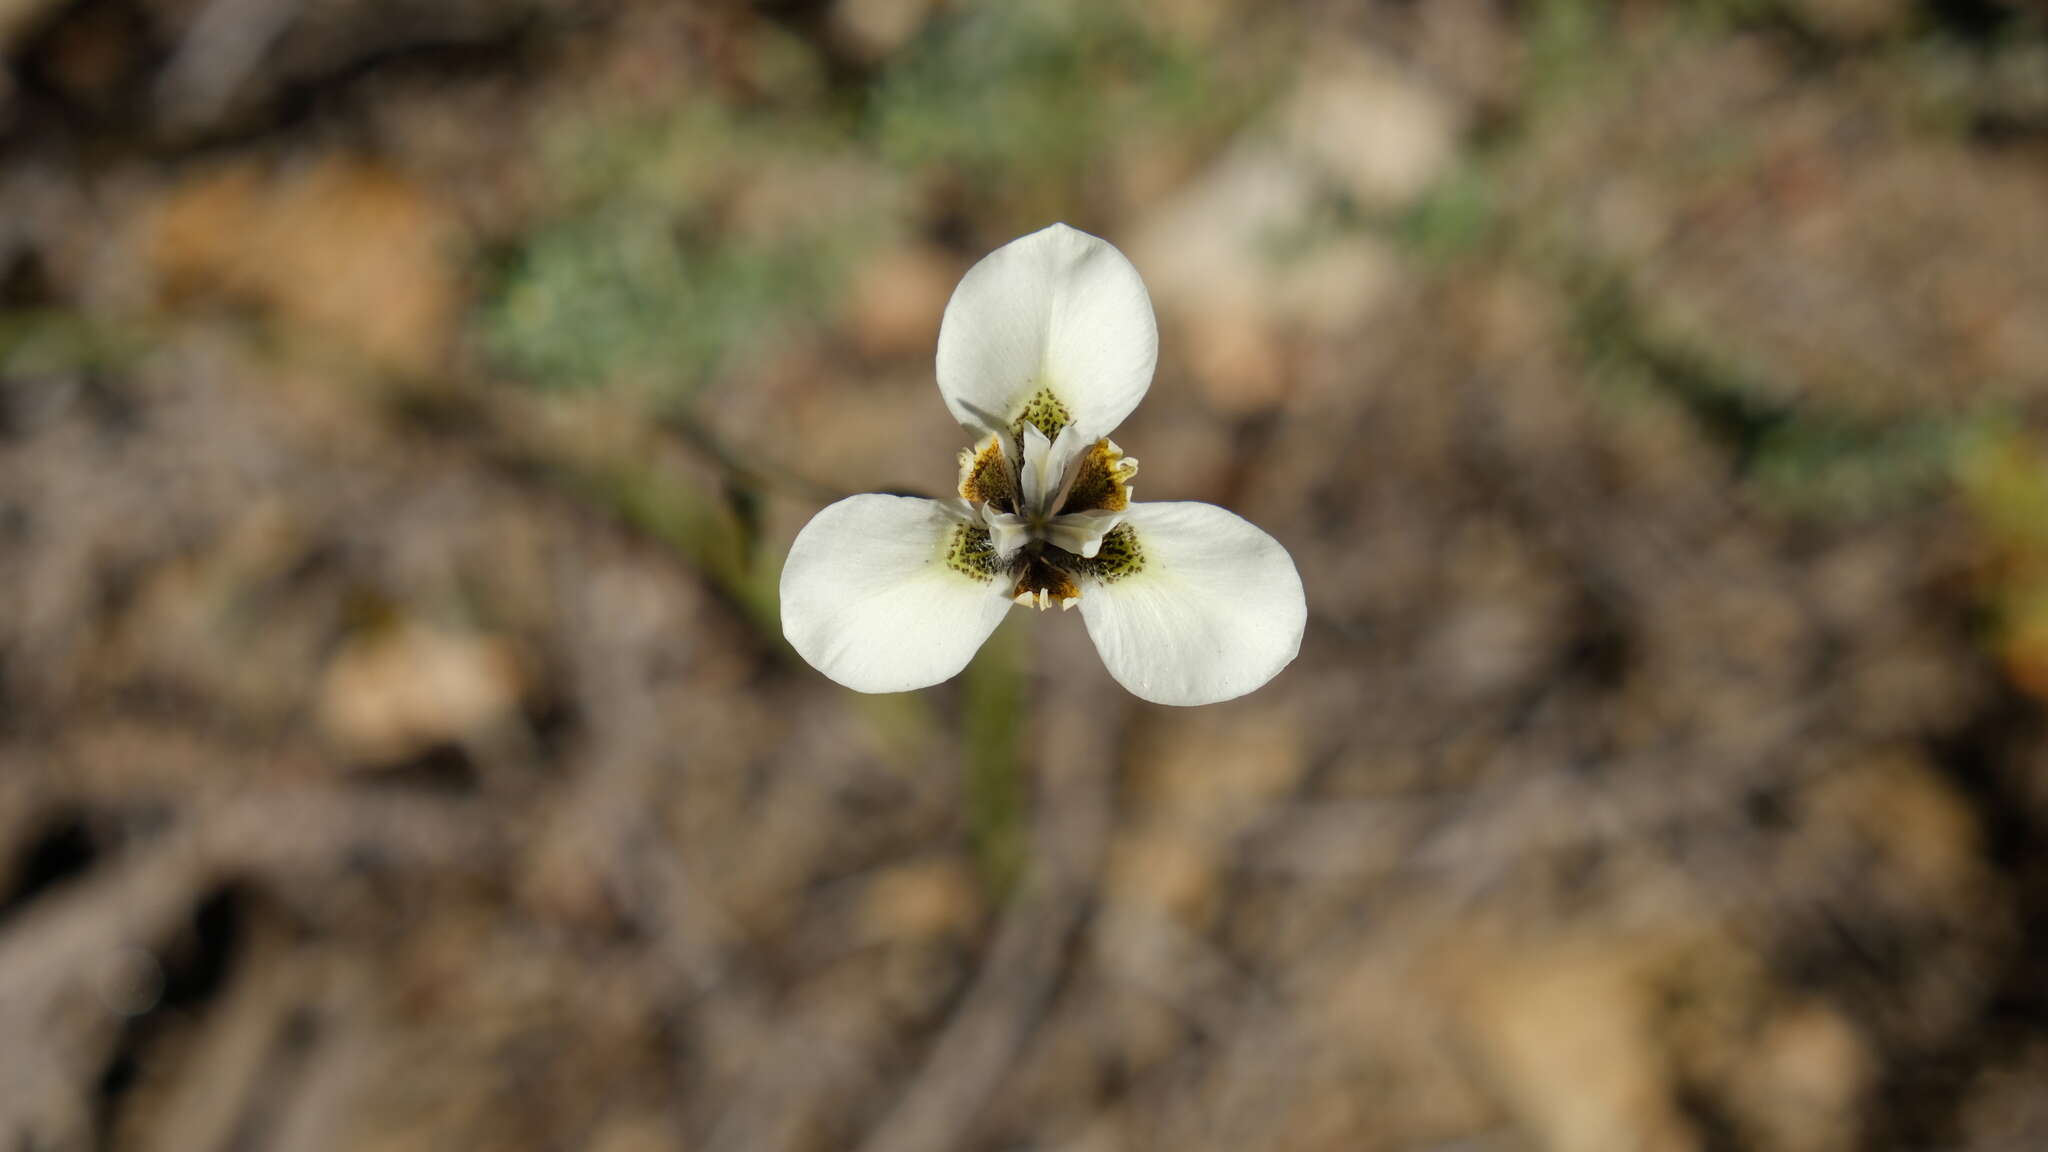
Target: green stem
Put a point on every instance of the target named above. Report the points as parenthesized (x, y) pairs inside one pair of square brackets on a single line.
[(994, 689)]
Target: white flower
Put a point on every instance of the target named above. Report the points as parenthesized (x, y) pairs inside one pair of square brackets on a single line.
[(1046, 346)]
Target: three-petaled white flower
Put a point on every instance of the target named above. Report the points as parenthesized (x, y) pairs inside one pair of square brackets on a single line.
[(1048, 343)]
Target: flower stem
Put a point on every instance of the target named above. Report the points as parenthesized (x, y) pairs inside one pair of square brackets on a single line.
[(994, 706)]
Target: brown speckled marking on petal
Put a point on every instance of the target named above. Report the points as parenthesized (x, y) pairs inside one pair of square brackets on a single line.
[(1045, 410), (970, 553), (1120, 556), (1099, 480), (1038, 576), (986, 476)]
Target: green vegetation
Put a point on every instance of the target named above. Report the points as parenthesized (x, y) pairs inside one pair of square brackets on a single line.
[(666, 273)]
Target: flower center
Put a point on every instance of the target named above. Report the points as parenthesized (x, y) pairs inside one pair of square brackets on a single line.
[(1050, 508)]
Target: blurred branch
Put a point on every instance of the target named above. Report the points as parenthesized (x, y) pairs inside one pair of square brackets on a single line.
[(1070, 826), (713, 526), (607, 825), (751, 468), (219, 52), (18, 16), (54, 956)]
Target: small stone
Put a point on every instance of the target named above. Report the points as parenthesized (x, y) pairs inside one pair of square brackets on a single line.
[(920, 901), (1385, 136), (1569, 1034), (346, 257), (402, 688), (875, 29), (1853, 19), (896, 301)]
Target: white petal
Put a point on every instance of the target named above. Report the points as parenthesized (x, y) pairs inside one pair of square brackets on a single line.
[(1048, 467), (1033, 475), (1214, 610), (870, 599), (1008, 532), (1081, 532), (1057, 310)]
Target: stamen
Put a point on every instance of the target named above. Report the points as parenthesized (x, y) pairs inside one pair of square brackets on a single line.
[(986, 476), (1040, 583), (1102, 480)]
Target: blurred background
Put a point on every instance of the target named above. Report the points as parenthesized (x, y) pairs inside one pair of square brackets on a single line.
[(406, 405)]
